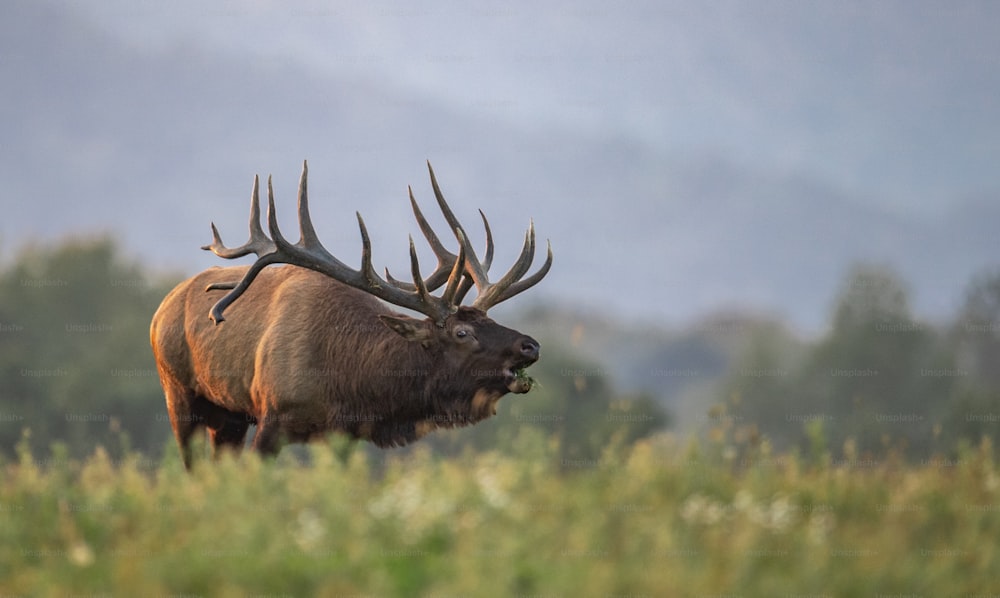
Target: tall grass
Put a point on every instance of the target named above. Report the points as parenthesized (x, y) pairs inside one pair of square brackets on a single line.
[(662, 518)]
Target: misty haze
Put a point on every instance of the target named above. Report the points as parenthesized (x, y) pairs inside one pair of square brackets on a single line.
[(735, 159), (764, 362)]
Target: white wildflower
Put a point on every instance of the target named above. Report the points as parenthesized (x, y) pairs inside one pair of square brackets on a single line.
[(492, 488), (308, 530)]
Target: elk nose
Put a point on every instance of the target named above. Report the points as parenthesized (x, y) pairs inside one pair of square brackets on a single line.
[(529, 348)]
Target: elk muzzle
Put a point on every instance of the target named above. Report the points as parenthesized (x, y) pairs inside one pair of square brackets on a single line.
[(515, 377)]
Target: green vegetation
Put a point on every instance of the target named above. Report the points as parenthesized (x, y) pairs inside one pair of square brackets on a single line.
[(522, 375), (879, 376), (859, 463), (75, 363), (653, 519)]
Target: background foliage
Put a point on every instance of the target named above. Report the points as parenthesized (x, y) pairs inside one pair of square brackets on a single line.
[(75, 367), (801, 449), (75, 363), (879, 377)]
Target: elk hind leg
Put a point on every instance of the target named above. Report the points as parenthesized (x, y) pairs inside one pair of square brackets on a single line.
[(183, 419)]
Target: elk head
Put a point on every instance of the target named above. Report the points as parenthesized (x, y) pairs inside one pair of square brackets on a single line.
[(493, 356)]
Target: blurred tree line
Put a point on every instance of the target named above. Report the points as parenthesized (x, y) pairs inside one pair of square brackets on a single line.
[(76, 368), (878, 378), (75, 363)]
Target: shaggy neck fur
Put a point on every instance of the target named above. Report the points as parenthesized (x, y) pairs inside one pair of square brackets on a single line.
[(410, 389)]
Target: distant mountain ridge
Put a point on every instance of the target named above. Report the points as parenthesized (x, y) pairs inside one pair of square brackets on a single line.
[(152, 146)]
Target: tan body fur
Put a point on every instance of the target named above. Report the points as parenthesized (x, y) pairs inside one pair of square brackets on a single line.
[(301, 354)]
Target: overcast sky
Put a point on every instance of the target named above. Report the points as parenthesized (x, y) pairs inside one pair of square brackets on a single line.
[(893, 100), (706, 154)]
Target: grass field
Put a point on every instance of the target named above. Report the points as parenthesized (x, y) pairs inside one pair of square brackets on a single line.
[(662, 518)]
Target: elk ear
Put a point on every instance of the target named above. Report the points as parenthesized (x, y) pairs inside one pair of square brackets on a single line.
[(409, 328)]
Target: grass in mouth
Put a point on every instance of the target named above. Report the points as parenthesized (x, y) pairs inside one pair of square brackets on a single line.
[(522, 375)]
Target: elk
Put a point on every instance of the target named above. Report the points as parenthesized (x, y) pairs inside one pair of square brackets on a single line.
[(311, 347)]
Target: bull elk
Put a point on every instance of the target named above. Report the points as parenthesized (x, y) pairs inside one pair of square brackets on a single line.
[(308, 348)]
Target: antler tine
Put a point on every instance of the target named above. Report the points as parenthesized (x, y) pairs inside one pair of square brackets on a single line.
[(442, 254), (239, 288), (399, 284), (520, 286), (467, 282), (418, 280), (446, 259), (307, 233), (511, 284), (456, 279), (523, 285), (272, 219), (308, 239), (367, 270), (308, 244), (258, 243), (523, 263), (473, 266), (488, 258), (490, 292), (306, 230)]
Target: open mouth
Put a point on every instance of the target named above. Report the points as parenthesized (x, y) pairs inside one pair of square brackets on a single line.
[(517, 379)]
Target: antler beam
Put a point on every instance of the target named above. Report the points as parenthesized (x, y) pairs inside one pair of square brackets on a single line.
[(458, 273)]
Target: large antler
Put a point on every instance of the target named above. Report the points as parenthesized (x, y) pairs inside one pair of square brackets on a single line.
[(511, 283), (489, 294), (308, 252), (457, 272)]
